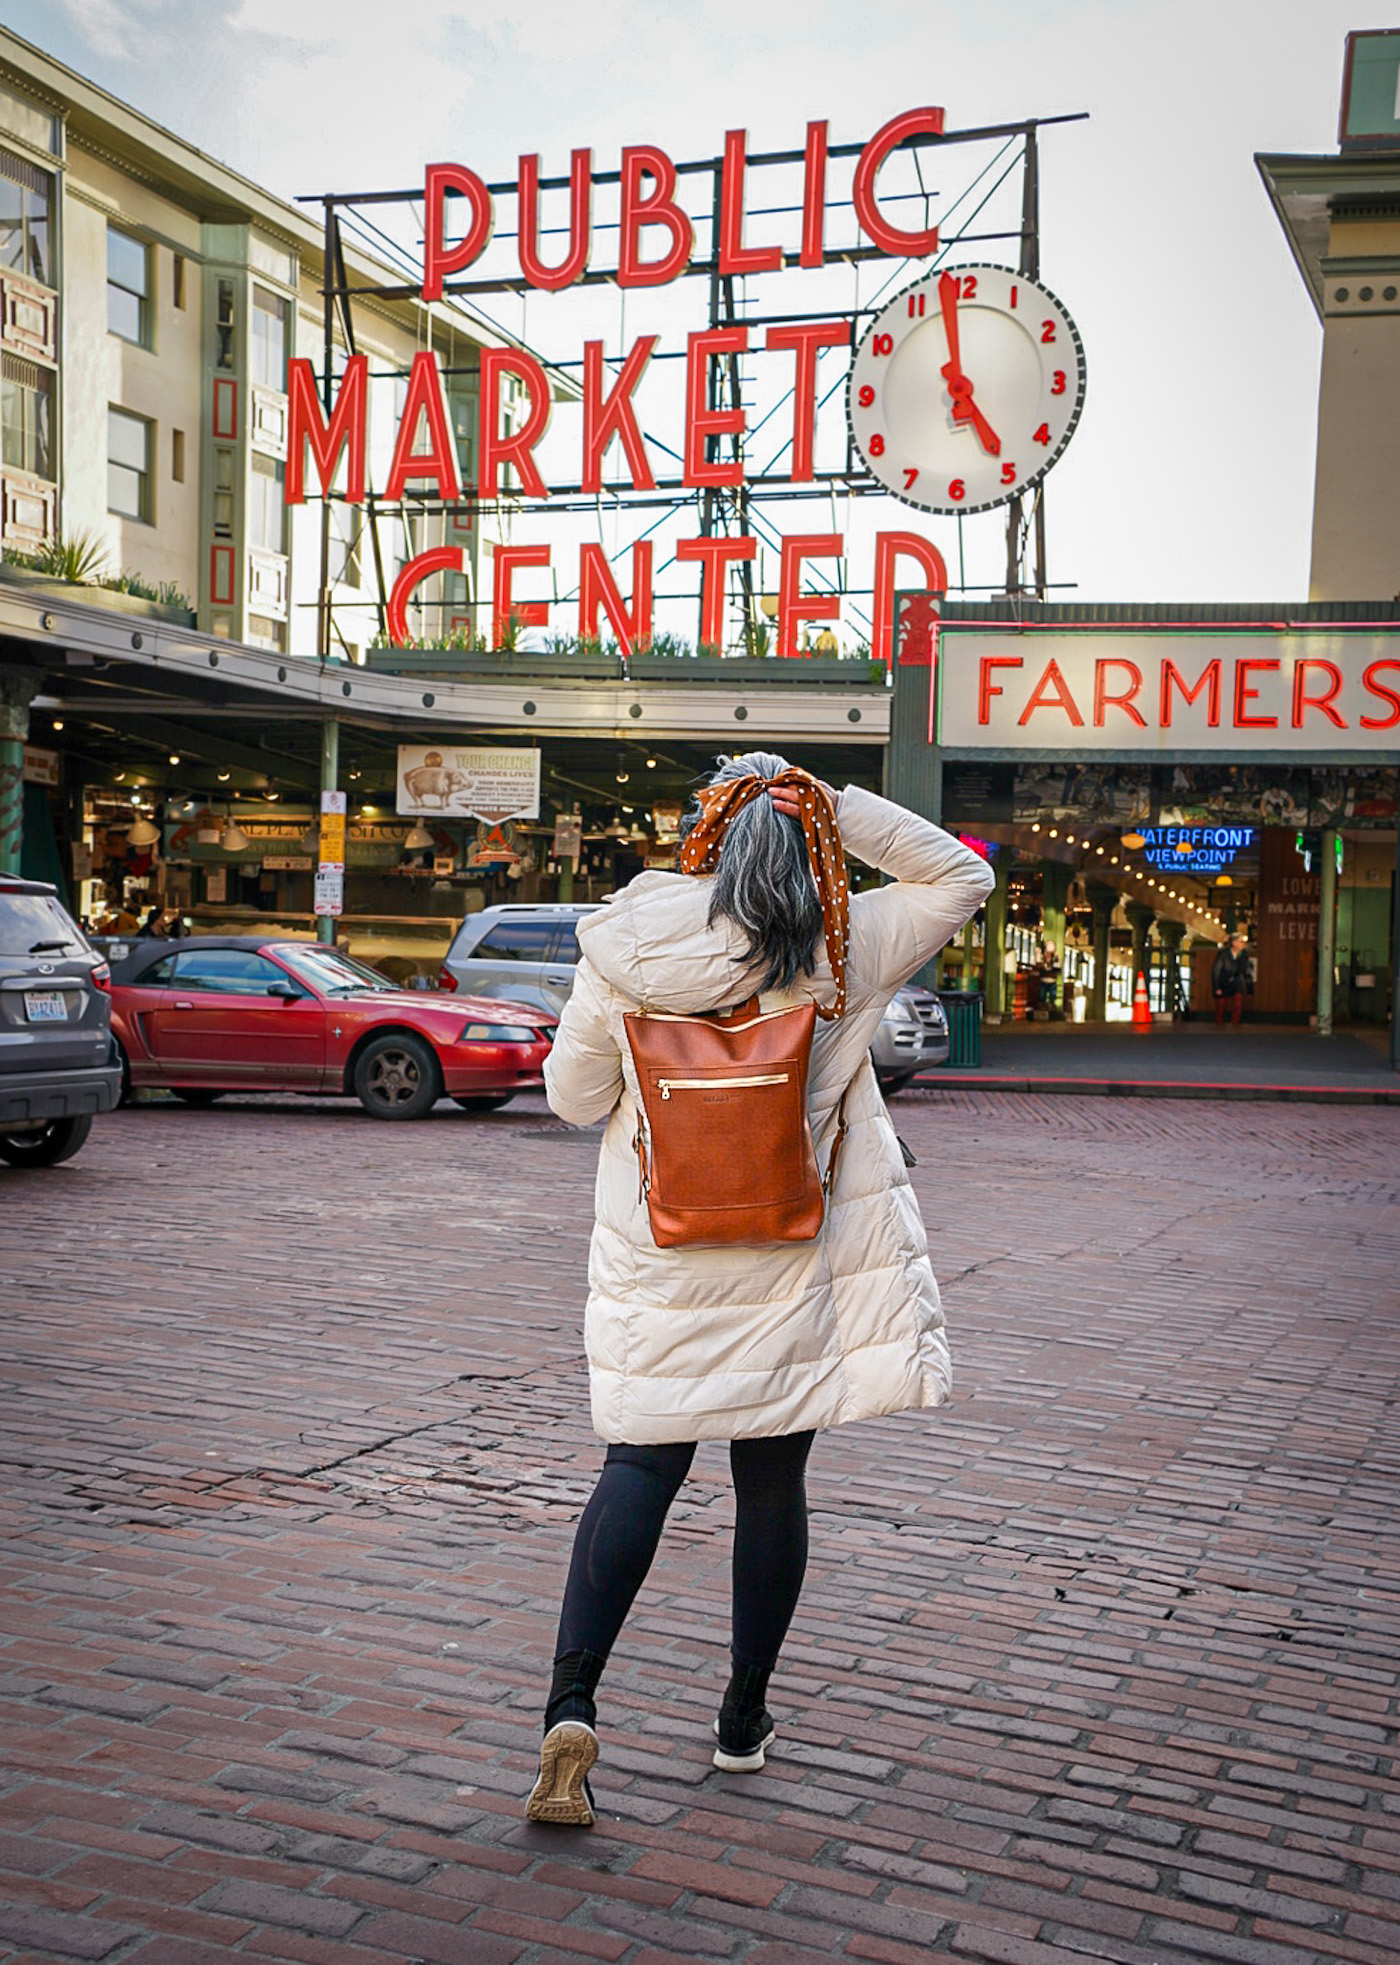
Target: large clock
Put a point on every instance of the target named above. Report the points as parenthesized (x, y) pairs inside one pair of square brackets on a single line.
[(965, 388)]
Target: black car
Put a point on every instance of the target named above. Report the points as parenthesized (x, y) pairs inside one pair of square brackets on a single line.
[(57, 1066)]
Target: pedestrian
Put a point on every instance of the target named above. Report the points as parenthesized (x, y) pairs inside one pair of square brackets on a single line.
[(765, 1346), (1231, 979)]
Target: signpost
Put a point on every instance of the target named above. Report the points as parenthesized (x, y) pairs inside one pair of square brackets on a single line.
[(330, 872)]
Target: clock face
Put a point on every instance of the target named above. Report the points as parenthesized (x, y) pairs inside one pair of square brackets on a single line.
[(965, 389)]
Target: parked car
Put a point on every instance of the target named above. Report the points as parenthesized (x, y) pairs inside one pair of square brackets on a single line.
[(56, 1061), (527, 951), (913, 1034), (238, 1013)]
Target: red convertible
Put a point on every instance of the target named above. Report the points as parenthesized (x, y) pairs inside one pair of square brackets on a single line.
[(237, 1013)]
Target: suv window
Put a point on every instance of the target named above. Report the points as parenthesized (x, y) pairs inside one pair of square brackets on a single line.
[(518, 941), (567, 950), (230, 971), (29, 921), (157, 976)]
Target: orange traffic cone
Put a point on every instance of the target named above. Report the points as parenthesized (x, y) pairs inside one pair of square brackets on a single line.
[(1142, 1010)]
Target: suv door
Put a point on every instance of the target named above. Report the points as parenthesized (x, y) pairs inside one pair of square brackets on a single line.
[(217, 1025), (51, 1016)]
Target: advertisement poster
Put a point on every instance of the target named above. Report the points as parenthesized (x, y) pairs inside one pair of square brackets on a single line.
[(493, 785)]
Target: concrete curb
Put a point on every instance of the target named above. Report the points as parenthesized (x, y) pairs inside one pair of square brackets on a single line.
[(978, 1081)]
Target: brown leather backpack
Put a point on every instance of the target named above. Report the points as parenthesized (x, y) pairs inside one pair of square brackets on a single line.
[(723, 1144)]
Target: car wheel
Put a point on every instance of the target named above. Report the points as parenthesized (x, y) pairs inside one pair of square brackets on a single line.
[(397, 1077), (59, 1140), (189, 1095), (120, 1057), (484, 1101)]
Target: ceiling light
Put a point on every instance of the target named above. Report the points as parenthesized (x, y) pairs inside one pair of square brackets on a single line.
[(224, 777), (651, 761), (58, 723), (143, 833), (1036, 826), (174, 757), (623, 776), (1069, 839), (419, 838), (233, 839), (274, 796)]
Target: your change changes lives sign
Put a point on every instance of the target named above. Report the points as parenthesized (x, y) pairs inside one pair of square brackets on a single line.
[(438, 779)]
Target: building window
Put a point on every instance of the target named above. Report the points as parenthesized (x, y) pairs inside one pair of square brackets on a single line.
[(129, 466), (267, 513), (267, 633), (224, 325), (26, 399), (177, 456), (128, 287), (177, 280), (269, 340), (26, 203), (345, 566)]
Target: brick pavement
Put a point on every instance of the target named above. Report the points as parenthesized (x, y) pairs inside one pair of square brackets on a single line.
[(1100, 1662)]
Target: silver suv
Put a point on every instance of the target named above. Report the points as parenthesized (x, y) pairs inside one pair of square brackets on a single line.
[(56, 1060), (528, 952), (913, 1034)]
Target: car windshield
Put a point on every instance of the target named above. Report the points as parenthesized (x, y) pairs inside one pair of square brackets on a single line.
[(329, 970), (30, 923)]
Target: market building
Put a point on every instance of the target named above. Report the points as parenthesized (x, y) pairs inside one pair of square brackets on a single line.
[(1143, 779)]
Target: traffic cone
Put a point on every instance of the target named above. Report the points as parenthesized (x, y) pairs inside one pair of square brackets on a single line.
[(1142, 1010)]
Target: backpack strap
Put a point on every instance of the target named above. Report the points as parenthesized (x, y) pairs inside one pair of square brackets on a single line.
[(841, 1130)]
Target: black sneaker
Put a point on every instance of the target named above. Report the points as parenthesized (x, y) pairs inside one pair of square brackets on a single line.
[(742, 1739)]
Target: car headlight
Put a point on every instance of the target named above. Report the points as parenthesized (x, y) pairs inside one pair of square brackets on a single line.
[(499, 1033), (899, 1011)]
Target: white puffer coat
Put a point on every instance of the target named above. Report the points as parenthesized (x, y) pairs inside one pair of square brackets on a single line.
[(733, 1343)]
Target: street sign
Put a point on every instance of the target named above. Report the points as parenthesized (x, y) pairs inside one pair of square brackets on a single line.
[(332, 848), (330, 890)]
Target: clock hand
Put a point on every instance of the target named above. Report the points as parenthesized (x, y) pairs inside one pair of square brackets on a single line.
[(948, 290), (959, 386), (965, 410)]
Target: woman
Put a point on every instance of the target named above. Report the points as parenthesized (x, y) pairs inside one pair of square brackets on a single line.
[(762, 1347)]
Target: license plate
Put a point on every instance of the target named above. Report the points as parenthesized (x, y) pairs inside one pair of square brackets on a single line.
[(45, 1006)]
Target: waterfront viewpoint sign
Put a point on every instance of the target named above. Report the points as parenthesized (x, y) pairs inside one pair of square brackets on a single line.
[(1200, 691)]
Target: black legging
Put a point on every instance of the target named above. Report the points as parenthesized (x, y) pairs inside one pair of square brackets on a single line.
[(621, 1527)]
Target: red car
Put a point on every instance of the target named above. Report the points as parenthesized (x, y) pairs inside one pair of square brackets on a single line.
[(239, 1013)]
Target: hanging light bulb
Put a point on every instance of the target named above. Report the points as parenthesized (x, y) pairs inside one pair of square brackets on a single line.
[(143, 833), (233, 839), (419, 839)]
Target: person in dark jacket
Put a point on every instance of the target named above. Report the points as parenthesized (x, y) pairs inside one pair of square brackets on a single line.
[(1231, 979)]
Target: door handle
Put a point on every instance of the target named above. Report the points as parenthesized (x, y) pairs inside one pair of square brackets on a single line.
[(182, 1006)]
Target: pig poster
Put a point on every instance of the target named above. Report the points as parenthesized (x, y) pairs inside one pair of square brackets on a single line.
[(440, 780)]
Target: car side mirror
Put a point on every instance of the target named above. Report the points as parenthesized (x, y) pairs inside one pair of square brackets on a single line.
[(288, 991)]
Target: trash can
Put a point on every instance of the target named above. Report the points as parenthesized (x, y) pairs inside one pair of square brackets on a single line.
[(964, 1012)]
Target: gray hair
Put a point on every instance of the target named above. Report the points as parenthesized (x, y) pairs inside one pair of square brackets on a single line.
[(763, 882)]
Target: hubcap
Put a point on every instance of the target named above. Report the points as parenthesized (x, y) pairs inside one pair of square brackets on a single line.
[(394, 1078)]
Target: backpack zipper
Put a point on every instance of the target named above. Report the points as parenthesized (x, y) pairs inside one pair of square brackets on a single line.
[(668, 1085)]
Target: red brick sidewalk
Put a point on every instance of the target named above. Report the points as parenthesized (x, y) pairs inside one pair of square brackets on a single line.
[(1100, 1662)]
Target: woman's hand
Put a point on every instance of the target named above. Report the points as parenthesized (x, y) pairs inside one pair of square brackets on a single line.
[(786, 798)]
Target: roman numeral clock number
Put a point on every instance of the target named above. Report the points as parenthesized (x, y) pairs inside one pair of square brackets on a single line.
[(945, 378)]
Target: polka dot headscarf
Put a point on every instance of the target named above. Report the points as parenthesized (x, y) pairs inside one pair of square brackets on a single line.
[(719, 804)]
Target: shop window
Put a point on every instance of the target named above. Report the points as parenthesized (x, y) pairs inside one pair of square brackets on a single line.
[(227, 971), (129, 449), (267, 510), (26, 205), (517, 941), (26, 405), (269, 335), (128, 287)]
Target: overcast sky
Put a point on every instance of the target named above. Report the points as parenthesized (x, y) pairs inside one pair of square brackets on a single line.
[(1191, 475)]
